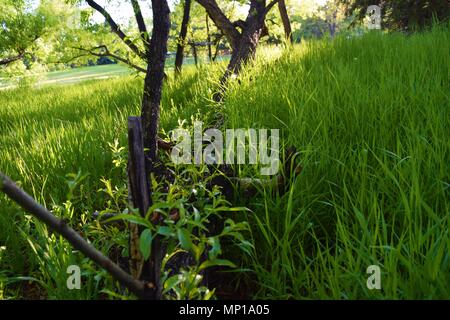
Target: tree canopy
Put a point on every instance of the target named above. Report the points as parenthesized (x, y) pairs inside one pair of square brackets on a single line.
[(402, 14)]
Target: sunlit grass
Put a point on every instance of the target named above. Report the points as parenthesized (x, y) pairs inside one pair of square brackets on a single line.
[(368, 115)]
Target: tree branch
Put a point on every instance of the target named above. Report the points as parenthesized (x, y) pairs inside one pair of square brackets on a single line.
[(141, 24), (12, 59), (240, 23), (116, 29), (107, 53), (29, 204), (270, 5), (221, 21)]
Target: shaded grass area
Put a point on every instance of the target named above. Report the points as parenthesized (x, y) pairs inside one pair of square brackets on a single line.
[(369, 116)]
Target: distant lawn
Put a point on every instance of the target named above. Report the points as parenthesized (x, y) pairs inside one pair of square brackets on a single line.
[(85, 73), (74, 75), (70, 76)]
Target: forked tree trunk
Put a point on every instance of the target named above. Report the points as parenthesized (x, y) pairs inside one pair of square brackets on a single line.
[(182, 38), (144, 143), (285, 19)]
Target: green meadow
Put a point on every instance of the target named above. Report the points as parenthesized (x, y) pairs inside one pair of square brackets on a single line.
[(369, 116)]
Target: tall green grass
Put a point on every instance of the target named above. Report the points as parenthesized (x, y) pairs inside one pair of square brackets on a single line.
[(370, 119), (48, 133)]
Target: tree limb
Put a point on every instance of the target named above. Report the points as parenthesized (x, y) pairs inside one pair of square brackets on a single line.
[(116, 29), (107, 53), (29, 204), (270, 5), (12, 59), (240, 23), (221, 21), (141, 24)]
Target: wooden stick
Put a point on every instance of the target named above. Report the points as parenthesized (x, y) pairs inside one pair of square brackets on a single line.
[(140, 189), (29, 204)]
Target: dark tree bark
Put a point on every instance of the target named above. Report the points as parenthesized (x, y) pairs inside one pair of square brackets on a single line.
[(153, 83), (154, 78), (248, 41), (221, 21), (285, 19), (155, 57), (154, 54), (182, 37)]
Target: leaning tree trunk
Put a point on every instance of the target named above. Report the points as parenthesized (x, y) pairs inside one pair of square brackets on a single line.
[(285, 19), (245, 50), (182, 38), (244, 41)]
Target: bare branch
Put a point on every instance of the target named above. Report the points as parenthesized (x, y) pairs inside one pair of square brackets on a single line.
[(107, 53), (12, 59), (141, 24), (221, 21), (240, 23), (115, 28), (29, 204), (270, 5)]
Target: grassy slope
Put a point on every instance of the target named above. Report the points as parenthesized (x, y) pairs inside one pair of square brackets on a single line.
[(370, 117)]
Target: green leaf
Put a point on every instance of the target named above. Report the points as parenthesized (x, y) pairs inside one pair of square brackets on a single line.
[(217, 262), (156, 207), (164, 231), (171, 283), (145, 243), (131, 218), (185, 239), (214, 242), (198, 250), (232, 209)]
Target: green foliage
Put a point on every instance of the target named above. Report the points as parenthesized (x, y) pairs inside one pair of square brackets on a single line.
[(27, 34), (403, 14), (371, 128), (185, 213)]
